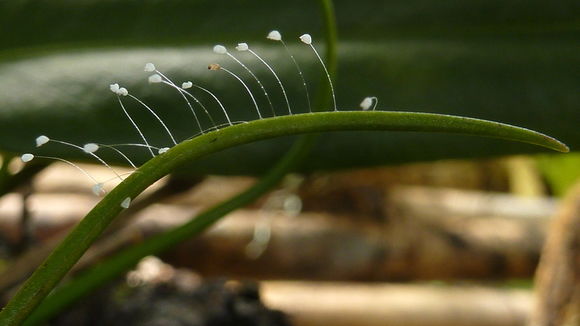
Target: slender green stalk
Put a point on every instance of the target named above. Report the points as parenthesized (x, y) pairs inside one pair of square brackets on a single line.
[(323, 98), (120, 263), (45, 278)]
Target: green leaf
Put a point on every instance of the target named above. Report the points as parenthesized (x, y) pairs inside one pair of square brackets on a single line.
[(64, 23), (66, 97), (502, 60), (561, 172), (81, 237)]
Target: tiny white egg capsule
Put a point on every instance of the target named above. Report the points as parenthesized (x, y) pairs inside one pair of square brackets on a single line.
[(163, 150), (366, 103), (187, 85), (274, 36), (219, 49), (126, 202), (98, 189), (41, 140), (114, 88), (149, 67), (90, 148), (242, 47), (154, 79), (306, 38), (27, 157), (123, 91)]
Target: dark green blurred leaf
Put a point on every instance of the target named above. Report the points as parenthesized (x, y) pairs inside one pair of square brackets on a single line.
[(508, 61), (53, 23)]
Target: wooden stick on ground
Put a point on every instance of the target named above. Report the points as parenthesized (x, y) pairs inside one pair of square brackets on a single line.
[(558, 276), (347, 304)]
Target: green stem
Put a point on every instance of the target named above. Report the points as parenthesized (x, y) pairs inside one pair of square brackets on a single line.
[(77, 242), (120, 263)]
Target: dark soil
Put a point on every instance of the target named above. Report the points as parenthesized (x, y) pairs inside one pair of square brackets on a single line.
[(213, 303)]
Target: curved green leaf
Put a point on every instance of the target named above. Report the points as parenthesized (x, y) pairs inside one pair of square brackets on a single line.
[(78, 241), (502, 60), (520, 83)]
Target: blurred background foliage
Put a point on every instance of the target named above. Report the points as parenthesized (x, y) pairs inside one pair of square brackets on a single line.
[(510, 61)]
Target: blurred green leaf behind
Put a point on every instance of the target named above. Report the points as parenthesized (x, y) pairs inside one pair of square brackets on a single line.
[(561, 171)]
